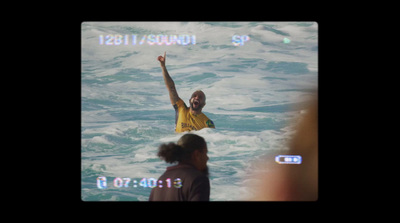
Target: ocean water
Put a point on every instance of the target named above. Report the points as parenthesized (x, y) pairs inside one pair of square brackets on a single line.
[(256, 76)]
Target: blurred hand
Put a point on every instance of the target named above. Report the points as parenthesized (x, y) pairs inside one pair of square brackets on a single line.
[(162, 59)]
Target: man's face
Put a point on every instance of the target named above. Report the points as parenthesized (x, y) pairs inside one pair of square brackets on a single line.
[(197, 101), (201, 159)]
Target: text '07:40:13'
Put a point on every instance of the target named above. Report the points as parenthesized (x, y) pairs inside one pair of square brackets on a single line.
[(144, 182)]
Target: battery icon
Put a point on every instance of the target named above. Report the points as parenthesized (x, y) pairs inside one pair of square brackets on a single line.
[(288, 159)]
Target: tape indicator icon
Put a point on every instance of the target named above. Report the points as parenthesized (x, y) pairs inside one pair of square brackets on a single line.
[(288, 159)]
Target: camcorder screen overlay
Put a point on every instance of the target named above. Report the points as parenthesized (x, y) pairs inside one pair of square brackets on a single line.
[(260, 86)]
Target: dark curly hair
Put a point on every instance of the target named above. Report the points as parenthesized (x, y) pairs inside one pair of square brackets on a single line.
[(182, 150)]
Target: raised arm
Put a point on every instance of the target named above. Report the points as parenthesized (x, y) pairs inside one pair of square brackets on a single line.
[(173, 94)]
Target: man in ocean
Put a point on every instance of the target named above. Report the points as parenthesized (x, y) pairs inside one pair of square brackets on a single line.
[(186, 119)]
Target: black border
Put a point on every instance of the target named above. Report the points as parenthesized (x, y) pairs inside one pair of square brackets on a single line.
[(323, 188)]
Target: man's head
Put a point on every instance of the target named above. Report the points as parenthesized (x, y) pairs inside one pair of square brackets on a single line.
[(197, 101), (197, 148), (190, 149)]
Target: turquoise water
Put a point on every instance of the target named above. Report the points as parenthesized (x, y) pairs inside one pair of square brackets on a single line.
[(254, 92)]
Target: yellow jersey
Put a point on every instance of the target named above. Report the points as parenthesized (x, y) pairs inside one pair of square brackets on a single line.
[(186, 121)]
